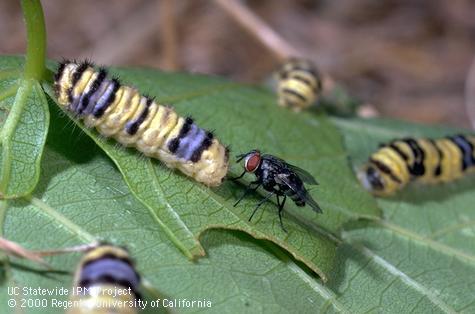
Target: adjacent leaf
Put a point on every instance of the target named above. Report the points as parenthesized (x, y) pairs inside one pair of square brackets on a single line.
[(424, 245), (24, 125)]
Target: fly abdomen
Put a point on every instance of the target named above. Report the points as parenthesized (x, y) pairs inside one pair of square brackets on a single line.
[(295, 198)]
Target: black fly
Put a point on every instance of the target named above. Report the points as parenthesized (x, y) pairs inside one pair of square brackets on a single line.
[(278, 178)]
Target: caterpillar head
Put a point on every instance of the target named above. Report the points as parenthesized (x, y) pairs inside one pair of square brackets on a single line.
[(377, 182)]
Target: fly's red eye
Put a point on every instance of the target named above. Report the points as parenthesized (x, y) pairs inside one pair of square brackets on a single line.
[(252, 162)]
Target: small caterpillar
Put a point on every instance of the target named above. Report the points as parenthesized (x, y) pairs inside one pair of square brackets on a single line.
[(298, 84), (120, 112), (102, 270), (401, 161)]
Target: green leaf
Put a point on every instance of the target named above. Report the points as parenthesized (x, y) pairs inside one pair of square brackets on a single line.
[(248, 118), (24, 125), (81, 197), (421, 256)]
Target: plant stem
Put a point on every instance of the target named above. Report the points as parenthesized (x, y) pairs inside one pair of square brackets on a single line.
[(36, 39), (259, 29), (169, 34)]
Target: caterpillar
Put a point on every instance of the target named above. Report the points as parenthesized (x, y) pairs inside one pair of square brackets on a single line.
[(401, 161), (298, 84), (102, 272), (120, 112)]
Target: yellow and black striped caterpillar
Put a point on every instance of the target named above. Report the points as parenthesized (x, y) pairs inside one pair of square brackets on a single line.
[(395, 164), (120, 112), (101, 273), (298, 84)]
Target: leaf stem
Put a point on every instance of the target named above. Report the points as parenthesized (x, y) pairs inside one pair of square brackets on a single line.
[(36, 39)]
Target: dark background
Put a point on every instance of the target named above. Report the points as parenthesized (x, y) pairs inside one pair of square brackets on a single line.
[(410, 59)]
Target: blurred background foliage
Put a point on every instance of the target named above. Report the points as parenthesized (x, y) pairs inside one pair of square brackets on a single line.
[(408, 58)]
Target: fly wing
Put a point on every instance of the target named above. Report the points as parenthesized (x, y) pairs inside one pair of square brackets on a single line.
[(312, 203), (303, 174), (302, 193)]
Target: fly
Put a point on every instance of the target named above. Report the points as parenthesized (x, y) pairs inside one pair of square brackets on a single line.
[(278, 178)]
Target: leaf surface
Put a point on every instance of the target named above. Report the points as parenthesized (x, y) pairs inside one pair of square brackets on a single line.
[(419, 257), (24, 120), (184, 209), (81, 197), (425, 243)]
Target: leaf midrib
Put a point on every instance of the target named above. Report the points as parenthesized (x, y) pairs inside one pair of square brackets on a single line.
[(407, 280), (437, 246), (11, 123), (167, 230)]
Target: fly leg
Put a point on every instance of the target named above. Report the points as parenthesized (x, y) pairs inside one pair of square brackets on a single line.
[(260, 203), (248, 190), (281, 208), (237, 178)]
